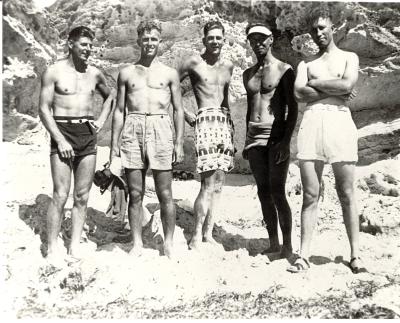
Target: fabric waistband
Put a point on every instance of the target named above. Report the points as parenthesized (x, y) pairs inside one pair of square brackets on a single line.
[(260, 125), (224, 110), (327, 107), (68, 119), (147, 114)]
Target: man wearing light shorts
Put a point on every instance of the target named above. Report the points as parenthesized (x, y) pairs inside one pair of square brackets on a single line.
[(327, 133), (210, 76), (147, 89)]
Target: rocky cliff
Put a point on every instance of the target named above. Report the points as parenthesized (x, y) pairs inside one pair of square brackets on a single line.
[(33, 38)]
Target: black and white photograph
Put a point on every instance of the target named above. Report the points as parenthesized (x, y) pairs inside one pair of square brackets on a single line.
[(200, 159)]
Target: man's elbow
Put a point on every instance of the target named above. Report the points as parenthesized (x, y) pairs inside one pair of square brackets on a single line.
[(299, 96)]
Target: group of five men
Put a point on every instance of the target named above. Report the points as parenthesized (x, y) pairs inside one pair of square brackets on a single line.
[(144, 138)]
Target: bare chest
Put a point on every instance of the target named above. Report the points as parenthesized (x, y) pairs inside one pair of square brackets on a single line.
[(327, 67), (76, 83), (212, 75), (141, 80), (263, 81)]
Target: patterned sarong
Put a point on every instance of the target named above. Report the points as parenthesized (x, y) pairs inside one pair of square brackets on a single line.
[(214, 139)]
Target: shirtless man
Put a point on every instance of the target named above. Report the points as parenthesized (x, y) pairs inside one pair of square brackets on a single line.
[(66, 110), (210, 78), (269, 86), (147, 89), (327, 133)]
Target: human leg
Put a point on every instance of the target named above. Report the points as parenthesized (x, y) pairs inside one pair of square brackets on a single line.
[(278, 174), (61, 174), (311, 174), (136, 187), (344, 178), (84, 168), (258, 160), (219, 180), (162, 181), (202, 205)]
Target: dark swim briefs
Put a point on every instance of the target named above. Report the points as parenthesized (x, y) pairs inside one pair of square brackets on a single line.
[(79, 133)]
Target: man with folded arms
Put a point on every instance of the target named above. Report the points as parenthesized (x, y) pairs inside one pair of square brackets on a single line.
[(327, 133)]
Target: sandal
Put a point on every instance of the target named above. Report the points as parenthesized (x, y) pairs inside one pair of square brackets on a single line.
[(300, 265), (356, 269)]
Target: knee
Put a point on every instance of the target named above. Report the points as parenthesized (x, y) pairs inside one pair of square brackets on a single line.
[(218, 187), (135, 196), (279, 197), (207, 191), (310, 197), (165, 196), (81, 198), (345, 193), (60, 198), (263, 190)]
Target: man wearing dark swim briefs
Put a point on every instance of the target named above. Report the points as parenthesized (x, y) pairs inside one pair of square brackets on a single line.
[(66, 110), (271, 118)]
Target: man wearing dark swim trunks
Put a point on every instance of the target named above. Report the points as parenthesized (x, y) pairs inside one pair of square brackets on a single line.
[(146, 90), (269, 86), (210, 77), (66, 110)]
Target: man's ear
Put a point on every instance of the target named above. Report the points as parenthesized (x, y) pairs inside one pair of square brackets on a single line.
[(204, 40), (70, 43), (138, 42)]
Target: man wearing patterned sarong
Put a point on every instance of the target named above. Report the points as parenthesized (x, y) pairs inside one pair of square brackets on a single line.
[(210, 77)]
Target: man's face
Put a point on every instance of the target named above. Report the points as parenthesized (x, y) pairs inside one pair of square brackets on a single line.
[(321, 32), (149, 42), (260, 43), (213, 41), (81, 48)]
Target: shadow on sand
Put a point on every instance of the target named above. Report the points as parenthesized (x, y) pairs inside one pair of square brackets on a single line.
[(103, 230)]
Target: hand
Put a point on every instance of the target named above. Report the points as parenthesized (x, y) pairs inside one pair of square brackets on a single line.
[(350, 96), (190, 118), (178, 154), (114, 153), (96, 124), (66, 150), (282, 151), (245, 154)]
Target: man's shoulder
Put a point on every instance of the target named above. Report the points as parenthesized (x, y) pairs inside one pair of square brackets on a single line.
[(193, 60), (348, 54), (227, 63)]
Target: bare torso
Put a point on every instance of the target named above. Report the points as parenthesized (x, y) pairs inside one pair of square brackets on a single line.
[(147, 88), (210, 82), (263, 91), (327, 67), (73, 91)]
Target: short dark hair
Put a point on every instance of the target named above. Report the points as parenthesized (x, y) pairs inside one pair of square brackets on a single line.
[(148, 25), (321, 11), (213, 24), (253, 24), (80, 31)]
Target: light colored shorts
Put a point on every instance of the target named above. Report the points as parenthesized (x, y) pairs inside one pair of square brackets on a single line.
[(147, 141), (214, 140), (327, 133)]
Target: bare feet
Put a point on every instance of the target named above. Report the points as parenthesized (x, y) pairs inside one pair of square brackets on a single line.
[(210, 239), (168, 249), (136, 251), (271, 249), (56, 259), (286, 252), (194, 243)]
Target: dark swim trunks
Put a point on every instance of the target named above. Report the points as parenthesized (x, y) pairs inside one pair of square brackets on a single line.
[(79, 133)]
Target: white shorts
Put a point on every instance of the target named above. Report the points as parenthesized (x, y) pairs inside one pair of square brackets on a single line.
[(327, 133)]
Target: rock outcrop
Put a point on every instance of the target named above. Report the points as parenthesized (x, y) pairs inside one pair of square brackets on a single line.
[(33, 38)]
